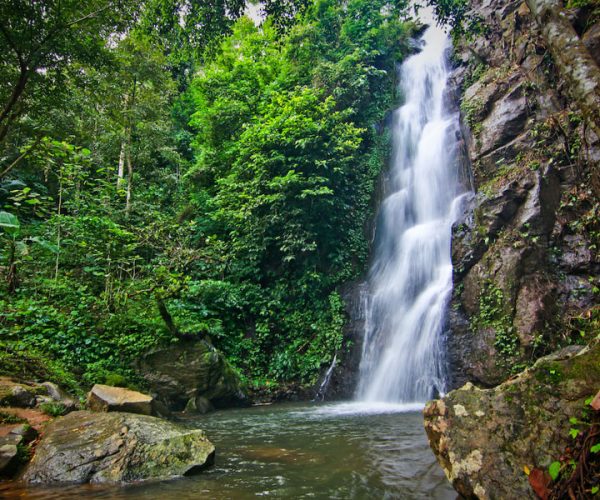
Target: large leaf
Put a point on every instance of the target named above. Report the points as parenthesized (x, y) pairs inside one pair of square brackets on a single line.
[(10, 223), (44, 244)]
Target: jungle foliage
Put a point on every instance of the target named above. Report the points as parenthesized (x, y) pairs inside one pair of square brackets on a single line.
[(168, 172)]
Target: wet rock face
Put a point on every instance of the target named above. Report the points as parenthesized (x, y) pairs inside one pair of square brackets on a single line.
[(114, 447), (483, 438), (182, 372), (344, 377), (527, 242)]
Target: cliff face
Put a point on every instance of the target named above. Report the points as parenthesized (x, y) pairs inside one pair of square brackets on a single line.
[(526, 253)]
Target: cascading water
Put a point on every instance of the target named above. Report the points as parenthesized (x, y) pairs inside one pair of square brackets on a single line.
[(410, 279)]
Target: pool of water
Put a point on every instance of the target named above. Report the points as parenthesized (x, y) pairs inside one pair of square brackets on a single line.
[(344, 450)]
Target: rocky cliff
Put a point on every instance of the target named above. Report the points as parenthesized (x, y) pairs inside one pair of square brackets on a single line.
[(526, 252)]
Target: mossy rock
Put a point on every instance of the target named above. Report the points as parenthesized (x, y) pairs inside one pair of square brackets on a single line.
[(483, 438), (115, 447), (181, 372)]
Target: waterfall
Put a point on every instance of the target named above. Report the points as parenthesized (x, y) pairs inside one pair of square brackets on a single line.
[(410, 279)]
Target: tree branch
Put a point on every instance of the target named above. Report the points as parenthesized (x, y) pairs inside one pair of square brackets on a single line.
[(22, 155)]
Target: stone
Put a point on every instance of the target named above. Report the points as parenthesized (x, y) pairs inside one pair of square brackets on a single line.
[(8, 458), (108, 398), (188, 369), (199, 404), (16, 394), (25, 432), (87, 447), (60, 395), (505, 122), (591, 40), (483, 438), (534, 308)]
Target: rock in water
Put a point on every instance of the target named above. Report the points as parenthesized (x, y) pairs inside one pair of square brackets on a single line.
[(91, 447), (108, 398), (483, 439)]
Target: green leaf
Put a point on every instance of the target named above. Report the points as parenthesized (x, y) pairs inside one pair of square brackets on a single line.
[(10, 223), (554, 470), (595, 448), (44, 244), (573, 420), (595, 489), (573, 433)]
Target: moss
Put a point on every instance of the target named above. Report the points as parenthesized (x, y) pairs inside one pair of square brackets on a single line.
[(549, 373), (471, 109), (584, 367)]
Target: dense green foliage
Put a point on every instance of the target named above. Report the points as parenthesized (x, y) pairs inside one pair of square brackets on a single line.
[(173, 183)]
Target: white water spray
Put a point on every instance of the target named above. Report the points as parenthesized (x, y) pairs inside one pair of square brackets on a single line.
[(411, 276)]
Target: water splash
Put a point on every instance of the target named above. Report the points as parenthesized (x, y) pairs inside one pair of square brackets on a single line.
[(411, 276)]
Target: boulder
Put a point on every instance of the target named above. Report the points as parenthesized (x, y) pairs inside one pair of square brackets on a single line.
[(24, 432), (86, 447), (108, 398), (8, 458), (188, 369), (61, 396), (17, 394), (484, 439)]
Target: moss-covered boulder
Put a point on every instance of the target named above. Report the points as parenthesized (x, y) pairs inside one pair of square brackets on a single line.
[(180, 373), (115, 447), (485, 439)]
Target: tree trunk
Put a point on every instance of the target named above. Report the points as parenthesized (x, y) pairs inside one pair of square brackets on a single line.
[(167, 318), (121, 166), (7, 116), (571, 57), (129, 180), (12, 278)]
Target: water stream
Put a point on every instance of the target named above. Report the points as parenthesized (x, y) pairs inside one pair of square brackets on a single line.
[(410, 279), (294, 451)]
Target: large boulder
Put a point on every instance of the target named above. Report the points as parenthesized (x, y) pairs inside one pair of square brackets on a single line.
[(180, 373), (108, 398), (484, 439), (91, 447)]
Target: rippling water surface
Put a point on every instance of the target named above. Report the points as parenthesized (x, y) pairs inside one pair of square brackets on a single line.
[(296, 451)]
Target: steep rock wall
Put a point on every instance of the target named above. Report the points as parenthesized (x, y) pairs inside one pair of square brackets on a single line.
[(526, 252)]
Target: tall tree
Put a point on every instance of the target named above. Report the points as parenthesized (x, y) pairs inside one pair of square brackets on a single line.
[(39, 38)]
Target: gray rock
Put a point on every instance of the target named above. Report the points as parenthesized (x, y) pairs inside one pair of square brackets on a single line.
[(16, 394), (25, 432), (108, 398), (91, 447), (483, 438), (8, 457), (505, 122), (576, 255), (199, 404), (591, 39), (60, 395)]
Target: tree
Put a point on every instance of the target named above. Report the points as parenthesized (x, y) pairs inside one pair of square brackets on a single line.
[(38, 39)]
